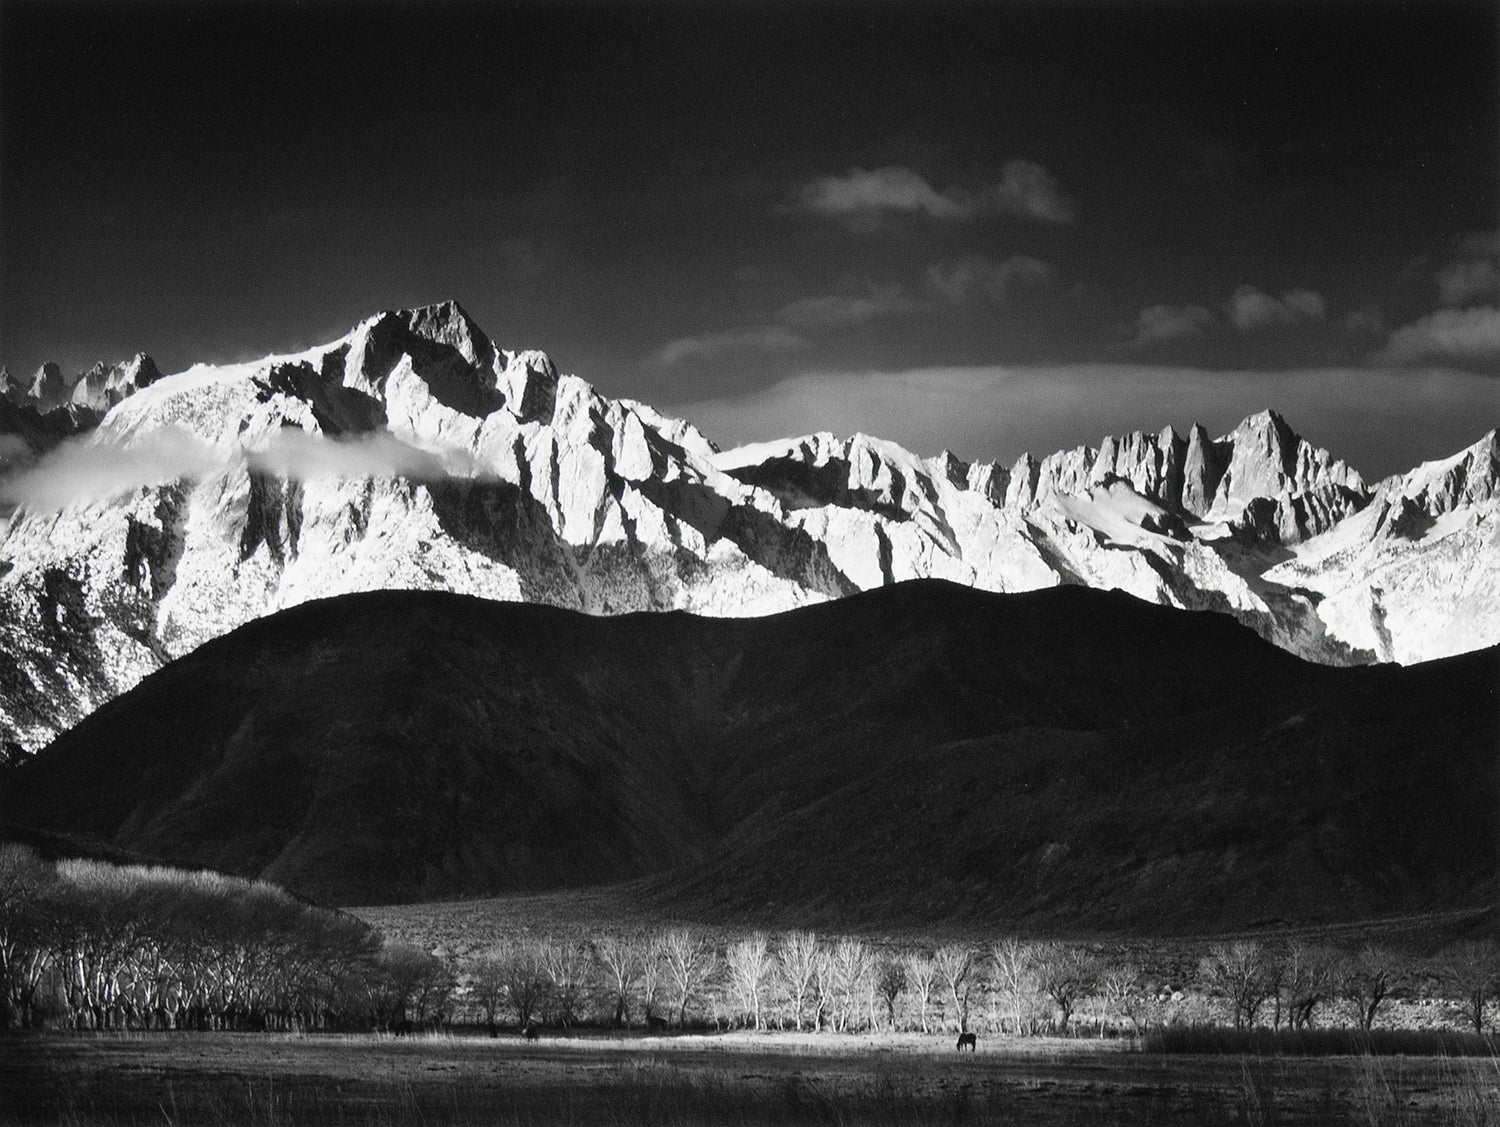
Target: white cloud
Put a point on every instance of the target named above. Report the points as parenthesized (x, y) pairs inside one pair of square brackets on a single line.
[(292, 452), (1305, 304), (1480, 244), (850, 309), (863, 198), (868, 194), (762, 338), (13, 448), (1029, 190), (1466, 281), (84, 470), (1365, 321), (1157, 324), (782, 333), (1380, 420), (1467, 337), (1248, 309), (1252, 311), (90, 469), (957, 280)]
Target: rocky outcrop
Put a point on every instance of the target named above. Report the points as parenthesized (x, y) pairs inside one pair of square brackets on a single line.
[(416, 453)]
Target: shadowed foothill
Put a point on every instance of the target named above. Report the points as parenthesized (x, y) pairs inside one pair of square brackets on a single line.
[(919, 753)]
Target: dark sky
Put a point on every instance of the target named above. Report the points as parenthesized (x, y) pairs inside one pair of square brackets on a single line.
[(984, 226)]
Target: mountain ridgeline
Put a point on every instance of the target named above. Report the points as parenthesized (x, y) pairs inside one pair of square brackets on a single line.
[(922, 752), (415, 453)]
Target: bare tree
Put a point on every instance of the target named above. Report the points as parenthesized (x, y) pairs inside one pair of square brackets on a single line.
[(851, 970), (1066, 974), (487, 977), (955, 968), (797, 961), (622, 959), (1241, 974), (1118, 987), (750, 965), (653, 966), (1014, 976), (1367, 978), (822, 987), (921, 980), (1305, 979), (1472, 971), (689, 958), (409, 983), (566, 965), (25, 881), (527, 983), (890, 981)]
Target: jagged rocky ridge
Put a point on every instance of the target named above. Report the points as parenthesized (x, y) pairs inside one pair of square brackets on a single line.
[(416, 453), (38, 414)]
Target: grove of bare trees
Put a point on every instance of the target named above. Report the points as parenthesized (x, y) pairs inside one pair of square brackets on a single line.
[(99, 946), (90, 945)]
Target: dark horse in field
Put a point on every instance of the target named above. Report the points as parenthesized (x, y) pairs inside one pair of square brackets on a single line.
[(968, 1041)]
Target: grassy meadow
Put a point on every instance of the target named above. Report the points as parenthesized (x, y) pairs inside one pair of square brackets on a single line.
[(139, 995), (739, 1078)]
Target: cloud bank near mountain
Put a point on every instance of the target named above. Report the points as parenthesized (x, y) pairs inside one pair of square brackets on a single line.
[(90, 469)]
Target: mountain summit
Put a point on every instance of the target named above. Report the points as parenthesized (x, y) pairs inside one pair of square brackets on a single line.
[(416, 453)]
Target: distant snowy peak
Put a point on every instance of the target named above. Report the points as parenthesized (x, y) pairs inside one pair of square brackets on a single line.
[(1261, 480), (1467, 478), (97, 389), (818, 469), (38, 413)]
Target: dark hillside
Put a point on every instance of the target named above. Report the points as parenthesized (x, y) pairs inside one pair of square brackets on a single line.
[(1365, 794), (923, 751)]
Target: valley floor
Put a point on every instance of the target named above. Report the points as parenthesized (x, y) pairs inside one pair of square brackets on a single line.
[(258, 1079)]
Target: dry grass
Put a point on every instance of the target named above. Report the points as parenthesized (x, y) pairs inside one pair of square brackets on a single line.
[(286, 1081), (1220, 1040)]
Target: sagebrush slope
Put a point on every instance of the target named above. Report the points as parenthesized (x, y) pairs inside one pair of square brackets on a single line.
[(921, 751)]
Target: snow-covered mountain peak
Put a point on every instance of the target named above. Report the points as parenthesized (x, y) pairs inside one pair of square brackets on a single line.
[(97, 389), (415, 452), (1267, 459), (446, 322), (1468, 477), (817, 470), (45, 390)]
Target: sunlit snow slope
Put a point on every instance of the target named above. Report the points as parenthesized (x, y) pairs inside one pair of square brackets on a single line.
[(415, 453)]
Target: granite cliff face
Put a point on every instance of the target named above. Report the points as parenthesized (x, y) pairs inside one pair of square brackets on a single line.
[(416, 453)]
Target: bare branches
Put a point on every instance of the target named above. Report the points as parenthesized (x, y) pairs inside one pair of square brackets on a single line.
[(921, 981), (1472, 971), (1367, 979), (1013, 977), (1242, 975), (689, 959), (1066, 974), (750, 964), (955, 968), (797, 962), (622, 958)]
